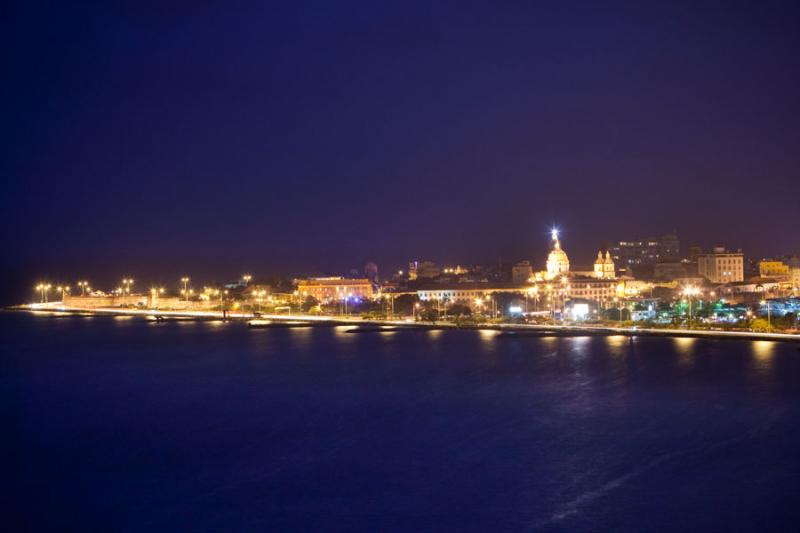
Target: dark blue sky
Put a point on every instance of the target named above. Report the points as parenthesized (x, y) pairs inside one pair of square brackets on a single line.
[(218, 137)]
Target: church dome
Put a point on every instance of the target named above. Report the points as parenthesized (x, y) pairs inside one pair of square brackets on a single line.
[(557, 260)]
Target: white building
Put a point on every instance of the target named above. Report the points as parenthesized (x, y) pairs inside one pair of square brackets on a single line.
[(721, 266)]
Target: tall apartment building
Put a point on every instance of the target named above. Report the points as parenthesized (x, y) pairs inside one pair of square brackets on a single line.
[(647, 251), (721, 266)]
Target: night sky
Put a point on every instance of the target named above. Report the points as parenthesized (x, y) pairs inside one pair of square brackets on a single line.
[(159, 139)]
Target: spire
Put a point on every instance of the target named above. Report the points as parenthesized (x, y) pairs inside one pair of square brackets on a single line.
[(554, 237)]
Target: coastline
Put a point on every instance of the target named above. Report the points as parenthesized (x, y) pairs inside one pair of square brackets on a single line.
[(377, 325)]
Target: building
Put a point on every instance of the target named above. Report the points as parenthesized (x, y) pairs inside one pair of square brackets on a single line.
[(412, 270), (371, 272), (423, 270), (721, 266), (465, 293), (522, 272), (604, 266), (557, 261), (335, 288), (669, 271), (600, 290), (773, 268), (647, 251), (694, 252), (457, 270)]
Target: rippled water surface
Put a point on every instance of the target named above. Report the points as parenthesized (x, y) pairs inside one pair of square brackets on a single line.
[(122, 424)]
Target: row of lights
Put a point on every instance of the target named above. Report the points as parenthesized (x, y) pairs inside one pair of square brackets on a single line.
[(125, 288)]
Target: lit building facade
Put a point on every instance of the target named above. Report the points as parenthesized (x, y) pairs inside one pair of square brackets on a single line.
[(335, 288), (557, 261), (721, 266), (604, 266), (770, 268), (423, 270), (462, 295), (601, 291)]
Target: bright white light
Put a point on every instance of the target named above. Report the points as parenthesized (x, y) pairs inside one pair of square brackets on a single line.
[(580, 311)]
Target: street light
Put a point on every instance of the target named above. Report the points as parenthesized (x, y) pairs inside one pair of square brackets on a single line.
[(479, 305), (84, 285), (414, 311), (155, 292), (63, 290), (126, 284), (689, 292), (185, 282), (246, 278), (43, 288), (769, 314)]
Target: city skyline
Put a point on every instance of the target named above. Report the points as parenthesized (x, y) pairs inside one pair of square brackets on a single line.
[(312, 138), (422, 265), (501, 265)]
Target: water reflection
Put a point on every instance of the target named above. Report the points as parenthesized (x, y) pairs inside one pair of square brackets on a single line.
[(684, 345), (763, 353), (549, 342), (617, 344), (580, 345), (434, 333), (487, 336), (342, 334)]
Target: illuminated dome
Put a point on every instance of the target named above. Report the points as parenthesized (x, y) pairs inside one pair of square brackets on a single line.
[(557, 260)]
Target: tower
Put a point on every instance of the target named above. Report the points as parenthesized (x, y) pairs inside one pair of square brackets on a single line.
[(599, 265), (604, 266), (609, 269)]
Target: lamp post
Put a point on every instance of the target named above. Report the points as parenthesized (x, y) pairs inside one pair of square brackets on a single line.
[(246, 278), (185, 281), (63, 289), (414, 311), (126, 285), (155, 293), (44, 288), (769, 314), (84, 285), (689, 292), (258, 296)]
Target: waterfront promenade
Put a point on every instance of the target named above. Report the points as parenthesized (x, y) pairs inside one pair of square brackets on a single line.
[(511, 328)]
